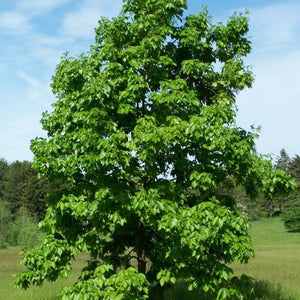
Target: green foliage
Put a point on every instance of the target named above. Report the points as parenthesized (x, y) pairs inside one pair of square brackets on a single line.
[(21, 230), (52, 258), (103, 284), (291, 215), (24, 230), (265, 206), (142, 136), (14, 180), (4, 166), (291, 207), (253, 209), (283, 161), (33, 193), (22, 188), (294, 167), (5, 223)]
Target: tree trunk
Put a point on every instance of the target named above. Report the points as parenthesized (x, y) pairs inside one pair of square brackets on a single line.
[(142, 261)]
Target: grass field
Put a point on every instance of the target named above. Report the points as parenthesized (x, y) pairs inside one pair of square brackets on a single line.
[(10, 265), (277, 256), (277, 261)]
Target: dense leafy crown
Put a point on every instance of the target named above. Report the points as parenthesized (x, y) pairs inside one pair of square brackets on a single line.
[(143, 135)]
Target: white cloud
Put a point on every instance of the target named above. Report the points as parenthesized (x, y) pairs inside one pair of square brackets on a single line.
[(13, 21), (47, 51), (39, 6), (81, 22), (275, 27), (37, 91)]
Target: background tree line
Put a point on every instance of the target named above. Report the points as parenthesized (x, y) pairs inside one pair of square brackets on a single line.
[(287, 207), (22, 203)]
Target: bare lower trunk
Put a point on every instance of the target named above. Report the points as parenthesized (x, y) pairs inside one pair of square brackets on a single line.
[(141, 256)]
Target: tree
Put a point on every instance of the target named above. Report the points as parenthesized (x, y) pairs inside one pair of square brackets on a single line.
[(275, 206), (283, 161), (5, 224), (143, 133), (4, 166), (22, 188), (252, 208), (294, 168), (33, 195), (12, 189), (291, 215), (291, 207), (24, 230)]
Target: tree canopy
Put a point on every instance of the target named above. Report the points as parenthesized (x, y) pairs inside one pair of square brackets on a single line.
[(143, 135)]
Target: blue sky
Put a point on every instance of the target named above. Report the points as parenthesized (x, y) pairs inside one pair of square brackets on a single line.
[(34, 34)]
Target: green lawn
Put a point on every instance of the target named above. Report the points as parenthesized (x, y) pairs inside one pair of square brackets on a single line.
[(277, 261), (277, 256), (10, 265)]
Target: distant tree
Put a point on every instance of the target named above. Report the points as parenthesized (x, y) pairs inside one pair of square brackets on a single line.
[(24, 230), (4, 166), (294, 168), (252, 208), (275, 206), (291, 215), (283, 161), (34, 191), (291, 207), (5, 224), (22, 188), (143, 133), (14, 180)]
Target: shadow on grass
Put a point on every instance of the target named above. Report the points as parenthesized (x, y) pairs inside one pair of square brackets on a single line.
[(262, 290), (266, 291)]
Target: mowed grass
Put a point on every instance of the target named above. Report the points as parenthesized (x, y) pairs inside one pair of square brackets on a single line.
[(276, 267), (10, 265), (277, 256)]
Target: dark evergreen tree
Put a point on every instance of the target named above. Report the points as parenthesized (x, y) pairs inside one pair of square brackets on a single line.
[(5, 223), (34, 191), (283, 161), (291, 207), (22, 188), (291, 215), (4, 166), (13, 182), (294, 168)]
